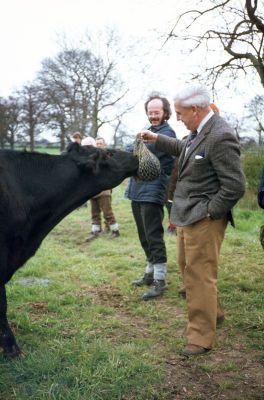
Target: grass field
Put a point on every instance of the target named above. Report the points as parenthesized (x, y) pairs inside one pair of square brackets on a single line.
[(88, 335)]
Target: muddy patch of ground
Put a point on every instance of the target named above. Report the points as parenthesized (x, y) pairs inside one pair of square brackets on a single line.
[(228, 372), (219, 375)]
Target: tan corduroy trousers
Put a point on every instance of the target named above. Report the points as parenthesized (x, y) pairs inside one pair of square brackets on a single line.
[(198, 255), (102, 203)]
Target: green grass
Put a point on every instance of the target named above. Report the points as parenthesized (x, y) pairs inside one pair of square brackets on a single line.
[(41, 149), (87, 334)]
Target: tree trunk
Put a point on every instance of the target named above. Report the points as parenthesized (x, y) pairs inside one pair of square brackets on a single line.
[(31, 139), (62, 137)]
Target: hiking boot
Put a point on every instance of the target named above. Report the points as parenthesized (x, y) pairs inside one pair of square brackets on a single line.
[(156, 290), (92, 236), (114, 234), (147, 279)]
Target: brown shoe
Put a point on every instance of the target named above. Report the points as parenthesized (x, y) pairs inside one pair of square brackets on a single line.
[(194, 350)]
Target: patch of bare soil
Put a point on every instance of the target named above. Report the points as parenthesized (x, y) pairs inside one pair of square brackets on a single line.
[(39, 306), (208, 378), (109, 296), (38, 309), (227, 372)]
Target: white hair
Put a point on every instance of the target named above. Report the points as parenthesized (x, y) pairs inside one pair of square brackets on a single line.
[(88, 141), (193, 95)]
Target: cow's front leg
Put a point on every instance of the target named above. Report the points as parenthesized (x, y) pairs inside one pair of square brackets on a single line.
[(7, 338)]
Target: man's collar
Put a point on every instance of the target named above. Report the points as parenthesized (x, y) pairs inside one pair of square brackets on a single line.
[(157, 128), (204, 120)]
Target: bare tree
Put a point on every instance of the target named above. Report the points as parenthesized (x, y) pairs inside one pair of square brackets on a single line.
[(32, 109), (3, 122), (65, 94), (121, 136), (255, 110), (236, 122), (13, 115), (83, 88), (9, 121), (235, 26)]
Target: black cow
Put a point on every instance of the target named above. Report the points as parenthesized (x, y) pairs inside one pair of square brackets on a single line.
[(36, 192)]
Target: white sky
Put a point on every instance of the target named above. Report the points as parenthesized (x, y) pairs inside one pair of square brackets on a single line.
[(29, 31)]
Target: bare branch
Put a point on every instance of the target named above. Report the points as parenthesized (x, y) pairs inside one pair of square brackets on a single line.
[(251, 13), (241, 35)]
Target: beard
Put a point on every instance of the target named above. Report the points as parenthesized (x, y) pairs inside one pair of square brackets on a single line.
[(156, 121)]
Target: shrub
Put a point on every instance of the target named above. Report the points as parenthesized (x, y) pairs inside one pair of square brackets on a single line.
[(253, 162)]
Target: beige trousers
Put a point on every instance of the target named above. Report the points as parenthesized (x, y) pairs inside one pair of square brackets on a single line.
[(198, 255)]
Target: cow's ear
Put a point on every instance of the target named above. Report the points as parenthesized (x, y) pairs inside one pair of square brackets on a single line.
[(86, 165), (79, 155), (91, 163)]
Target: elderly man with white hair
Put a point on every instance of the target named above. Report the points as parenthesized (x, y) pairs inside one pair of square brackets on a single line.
[(210, 182), (88, 141)]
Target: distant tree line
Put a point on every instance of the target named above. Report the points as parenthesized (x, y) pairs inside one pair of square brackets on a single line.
[(77, 90)]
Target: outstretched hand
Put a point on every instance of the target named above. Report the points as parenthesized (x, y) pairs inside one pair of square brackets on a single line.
[(148, 136)]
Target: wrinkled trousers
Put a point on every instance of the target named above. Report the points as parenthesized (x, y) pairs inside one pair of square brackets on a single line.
[(102, 204), (198, 256)]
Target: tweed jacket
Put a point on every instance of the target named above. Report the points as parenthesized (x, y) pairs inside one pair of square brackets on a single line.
[(211, 178)]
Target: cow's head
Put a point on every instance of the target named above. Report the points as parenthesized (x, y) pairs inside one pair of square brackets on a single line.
[(108, 165)]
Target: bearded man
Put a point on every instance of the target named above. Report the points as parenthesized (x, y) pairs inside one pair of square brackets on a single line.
[(148, 199)]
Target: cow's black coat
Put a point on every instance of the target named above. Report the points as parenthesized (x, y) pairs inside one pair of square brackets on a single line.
[(36, 192)]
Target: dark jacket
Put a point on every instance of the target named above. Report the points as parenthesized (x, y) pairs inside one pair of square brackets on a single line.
[(154, 191), (260, 195), (210, 179)]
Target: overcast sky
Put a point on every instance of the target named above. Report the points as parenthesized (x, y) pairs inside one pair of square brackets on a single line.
[(30, 29)]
